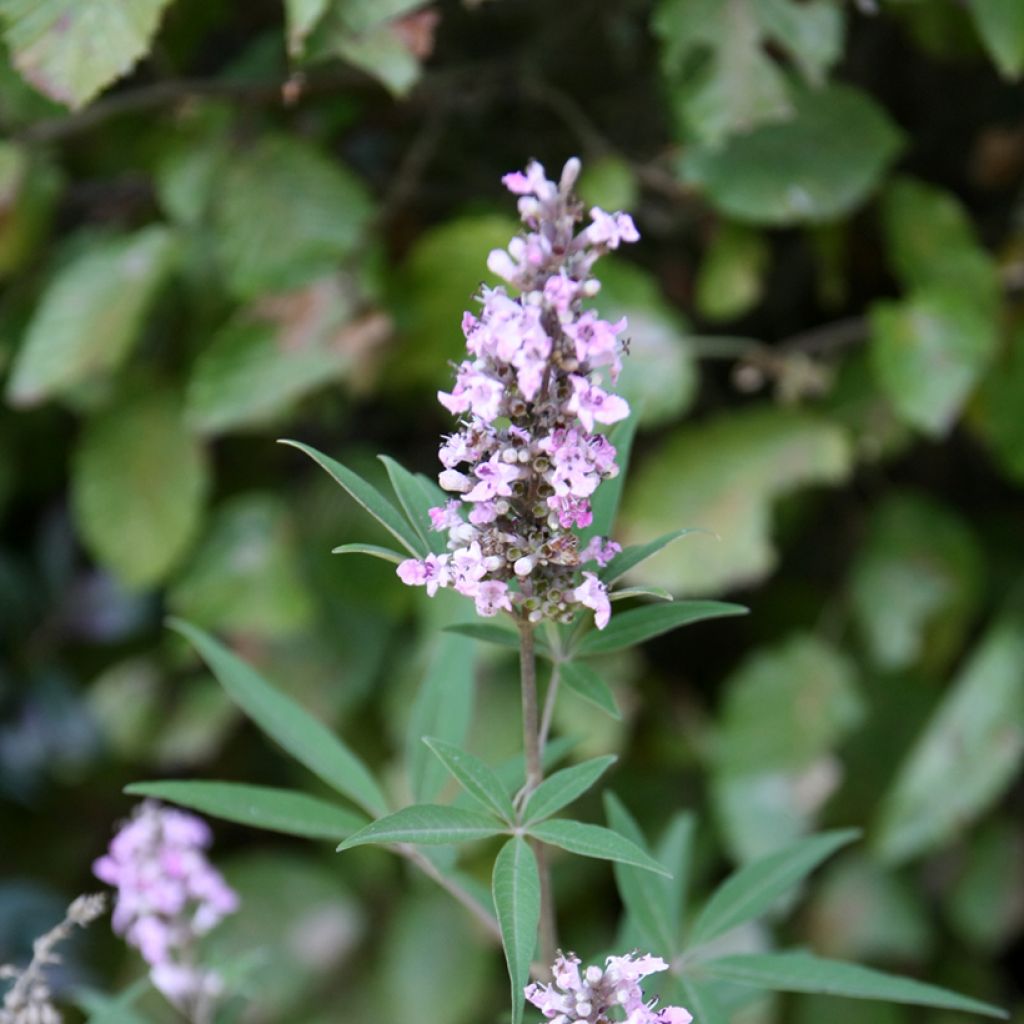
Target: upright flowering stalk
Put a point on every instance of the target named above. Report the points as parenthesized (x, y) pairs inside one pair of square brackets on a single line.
[(168, 895), (526, 460)]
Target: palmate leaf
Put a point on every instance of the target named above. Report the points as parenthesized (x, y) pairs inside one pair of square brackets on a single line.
[(476, 778), (427, 825), (753, 888), (802, 972), (515, 888), (370, 498), (308, 740), (564, 786), (277, 810), (594, 841), (640, 624)]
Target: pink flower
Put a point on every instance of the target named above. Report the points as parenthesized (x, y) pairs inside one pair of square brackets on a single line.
[(594, 405), (600, 550), (495, 480), (445, 517), (492, 597), (611, 229), (592, 593), (432, 572)]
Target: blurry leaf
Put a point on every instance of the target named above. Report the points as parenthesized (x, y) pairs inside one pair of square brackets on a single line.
[(639, 624), (385, 554), (1000, 24), (995, 415), (90, 314), (28, 193), (301, 17), (433, 967), (262, 807), (125, 700), (444, 708), (986, 902), (916, 583), (594, 841), (369, 497), (70, 50), (475, 776), (565, 786), (269, 356), (193, 732), (139, 481), (659, 375), (810, 32), (817, 166), (428, 825), (187, 173), (731, 276), (699, 997), (244, 577), (722, 476), (487, 633), (516, 890), (928, 353), (785, 706), (862, 911), (931, 241), (286, 214), (753, 888), (308, 740), (645, 895), (585, 682), (382, 53), (440, 276), (635, 554), (969, 752), (801, 972), (609, 182)]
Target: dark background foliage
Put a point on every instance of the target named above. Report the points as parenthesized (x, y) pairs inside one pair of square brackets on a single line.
[(271, 228)]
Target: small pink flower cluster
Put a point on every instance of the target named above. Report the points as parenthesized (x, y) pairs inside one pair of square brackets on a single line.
[(168, 894), (588, 998), (526, 460)]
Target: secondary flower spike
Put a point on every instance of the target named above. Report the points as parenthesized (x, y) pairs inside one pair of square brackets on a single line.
[(168, 895), (597, 996), (534, 388)]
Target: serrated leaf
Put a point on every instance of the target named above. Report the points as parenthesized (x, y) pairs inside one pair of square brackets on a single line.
[(90, 315), (427, 825), (245, 574), (516, 891), (802, 972), (594, 841), (265, 807), (928, 352), (759, 455), (645, 895), (475, 776), (814, 167), (1000, 24), (70, 50), (308, 740), (587, 683), (639, 624), (138, 486), (559, 790), (753, 888), (286, 214), (969, 752), (369, 497)]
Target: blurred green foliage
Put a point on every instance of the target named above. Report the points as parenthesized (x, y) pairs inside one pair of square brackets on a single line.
[(233, 221)]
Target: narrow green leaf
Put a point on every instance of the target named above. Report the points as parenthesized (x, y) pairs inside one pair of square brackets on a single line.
[(640, 624), (607, 497), (512, 771), (477, 778), (277, 810), (444, 708), (802, 972), (374, 550), (369, 497), (428, 825), (308, 740), (644, 894), (753, 888), (631, 557), (564, 786), (587, 683), (515, 887), (487, 633), (594, 841), (701, 1000), (659, 593), (675, 848), (412, 496)]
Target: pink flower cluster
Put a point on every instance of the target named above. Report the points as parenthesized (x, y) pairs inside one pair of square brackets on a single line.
[(589, 997), (526, 459), (168, 894)]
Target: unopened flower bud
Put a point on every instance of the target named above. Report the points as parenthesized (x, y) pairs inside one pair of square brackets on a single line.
[(453, 480), (523, 566)]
